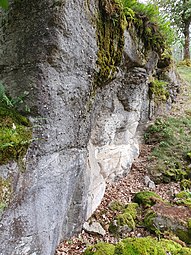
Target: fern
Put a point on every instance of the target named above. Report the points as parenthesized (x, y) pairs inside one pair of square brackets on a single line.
[(3, 97), (12, 102)]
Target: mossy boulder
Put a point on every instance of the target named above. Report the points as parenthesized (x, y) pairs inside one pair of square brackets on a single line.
[(147, 198), (139, 246), (124, 222), (147, 246), (165, 217), (100, 249)]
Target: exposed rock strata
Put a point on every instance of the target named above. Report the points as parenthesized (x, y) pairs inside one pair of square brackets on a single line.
[(81, 141)]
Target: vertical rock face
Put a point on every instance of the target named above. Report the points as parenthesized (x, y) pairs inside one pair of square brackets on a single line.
[(49, 49)]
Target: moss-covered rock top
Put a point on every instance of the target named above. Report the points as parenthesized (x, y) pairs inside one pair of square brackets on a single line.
[(124, 222), (147, 198)]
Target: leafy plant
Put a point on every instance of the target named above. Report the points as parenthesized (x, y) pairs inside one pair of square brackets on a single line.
[(15, 129), (153, 28), (10, 102)]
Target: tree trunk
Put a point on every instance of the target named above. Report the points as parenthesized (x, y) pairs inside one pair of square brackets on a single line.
[(186, 41)]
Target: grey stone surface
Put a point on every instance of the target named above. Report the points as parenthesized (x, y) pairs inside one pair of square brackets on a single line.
[(48, 48), (94, 228), (149, 183), (81, 142)]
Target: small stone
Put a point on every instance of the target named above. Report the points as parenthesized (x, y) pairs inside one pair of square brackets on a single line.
[(152, 185), (149, 183), (94, 228), (147, 180)]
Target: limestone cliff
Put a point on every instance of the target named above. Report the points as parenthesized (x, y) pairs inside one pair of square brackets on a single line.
[(85, 117)]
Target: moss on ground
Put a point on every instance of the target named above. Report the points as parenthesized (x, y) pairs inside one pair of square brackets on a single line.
[(184, 235), (125, 221), (100, 249), (139, 246), (147, 198), (116, 206)]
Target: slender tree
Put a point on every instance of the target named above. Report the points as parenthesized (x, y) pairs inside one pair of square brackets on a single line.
[(179, 13)]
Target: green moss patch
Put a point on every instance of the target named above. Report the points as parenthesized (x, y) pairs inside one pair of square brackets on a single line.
[(15, 135), (100, 249), (124, 222), (110, 36), (116, 206), (147, 198), (159, 89), (139, 246)]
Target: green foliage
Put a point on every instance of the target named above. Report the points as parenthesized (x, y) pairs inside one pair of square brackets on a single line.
[(172, 140), (185, 184), (15, 135), (10, 102), (184, 63), (184, 198), (15, 129), (4, 4), (152, 28), (148, 222), (179, 13)]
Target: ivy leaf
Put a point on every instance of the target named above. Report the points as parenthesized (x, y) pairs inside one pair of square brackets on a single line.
[(4, 4)]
